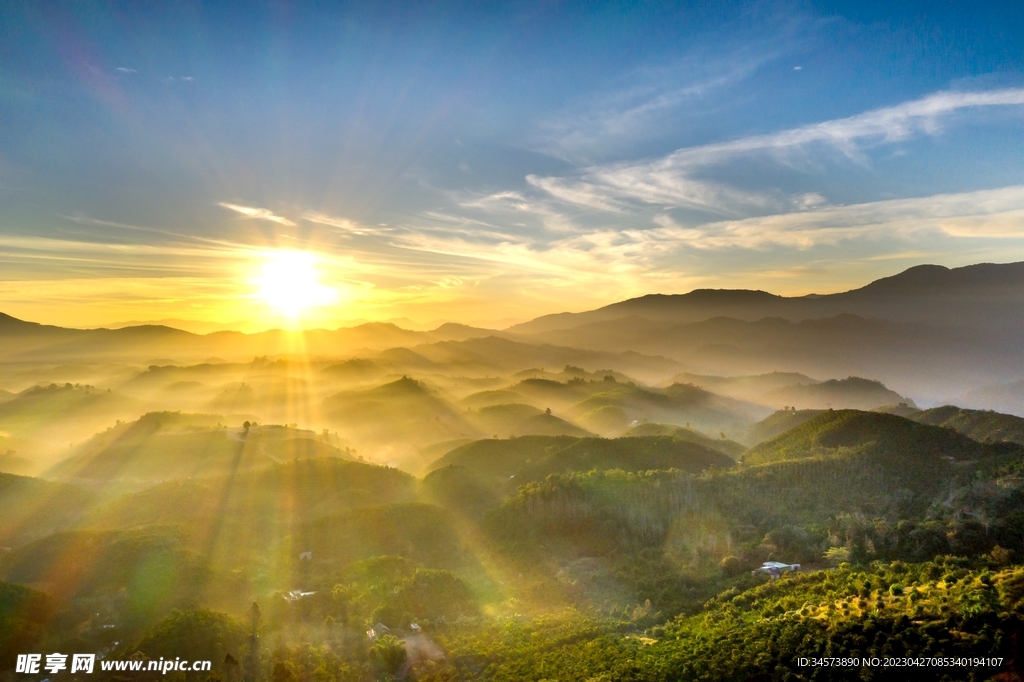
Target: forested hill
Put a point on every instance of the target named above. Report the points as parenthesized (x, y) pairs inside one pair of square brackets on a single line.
[(884, 436)]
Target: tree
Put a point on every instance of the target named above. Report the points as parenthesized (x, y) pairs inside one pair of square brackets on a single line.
[(388, 654), (730, 566)]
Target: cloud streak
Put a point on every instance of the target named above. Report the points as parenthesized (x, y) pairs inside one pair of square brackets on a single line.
[(258, 214), (674, 180), (591, 257), (343, 224), (986, 214)]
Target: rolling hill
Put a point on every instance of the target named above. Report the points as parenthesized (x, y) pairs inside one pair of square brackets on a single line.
[(616, 407), (518, 460), (275, 497), (723, 445), (981, 425), (48, 418), (749, 388), (885, 436), (161, 446), (32, 507), (850, 393), (403, 412), (517, 419), (778, 423)]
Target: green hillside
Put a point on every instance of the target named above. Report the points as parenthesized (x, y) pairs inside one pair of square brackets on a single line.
[(760, 630), (883, 435), (24, 615), (354, 370), (404, 411), (500, 458), (615, 407), (723, 445), (54, 406), (488, 398), (744, 387), (44, 420), (850, 393), (90, 562), (157, 378), (421, 532), (531, 457), (463, 490), (981, 425), (639, 453), (165, 445), (291, 492), (475, 477), (517, 419), (131, 579), (31, 507), (555, 394), (778, 423), (10, 462)]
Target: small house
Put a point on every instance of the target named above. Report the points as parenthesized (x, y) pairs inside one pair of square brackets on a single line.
[(775, 569), (378, 630)]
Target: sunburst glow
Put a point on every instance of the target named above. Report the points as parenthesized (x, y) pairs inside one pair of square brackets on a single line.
[(288, 283)]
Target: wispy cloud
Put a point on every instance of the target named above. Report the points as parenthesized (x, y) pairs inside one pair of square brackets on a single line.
[(636, 110), (515, 206), (125, 69), (258, 213), (984, 214), (889, 124), (627, 258), (674, 180), (652, 98), (343, 224)]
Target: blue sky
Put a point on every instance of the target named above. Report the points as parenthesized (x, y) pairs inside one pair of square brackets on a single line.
[(484, 162)]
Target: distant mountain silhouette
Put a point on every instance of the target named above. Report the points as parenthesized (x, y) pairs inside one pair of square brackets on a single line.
[(984, 293), (930, 332), (921, 331)]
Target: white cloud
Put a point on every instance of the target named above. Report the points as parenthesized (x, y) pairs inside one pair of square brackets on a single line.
[(645, 100), (627, 258), (516, 206), (341, 223), (889, 124), (124, 69), (672, 180), (997, 213), (582, 193), (257, 213)]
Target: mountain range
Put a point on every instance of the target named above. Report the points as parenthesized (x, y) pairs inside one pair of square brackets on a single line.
[(930, 333)]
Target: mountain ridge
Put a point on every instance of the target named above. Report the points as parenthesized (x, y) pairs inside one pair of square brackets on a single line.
[(970, 283)]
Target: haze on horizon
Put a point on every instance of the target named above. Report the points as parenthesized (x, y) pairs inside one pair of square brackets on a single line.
[(311, 167)]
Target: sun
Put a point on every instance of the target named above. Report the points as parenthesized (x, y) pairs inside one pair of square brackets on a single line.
[(288, 283)]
